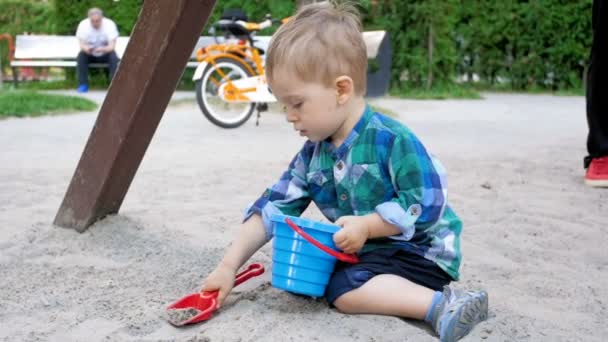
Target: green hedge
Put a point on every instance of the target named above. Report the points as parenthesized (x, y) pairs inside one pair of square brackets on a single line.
[(125, 12), (534, 44), (531, 44), (255, 10), (423, 50), (69, 13), (19, 16)]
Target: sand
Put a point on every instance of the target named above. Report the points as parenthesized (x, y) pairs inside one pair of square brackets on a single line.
[(534, 236), (179, 317)]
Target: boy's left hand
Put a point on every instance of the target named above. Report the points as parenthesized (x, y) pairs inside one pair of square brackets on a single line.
[(354, 233)]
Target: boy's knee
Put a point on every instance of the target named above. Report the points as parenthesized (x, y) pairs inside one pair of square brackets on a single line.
[(345, 303)]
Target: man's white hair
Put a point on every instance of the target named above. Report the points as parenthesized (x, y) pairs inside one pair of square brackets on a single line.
[(95, 11)]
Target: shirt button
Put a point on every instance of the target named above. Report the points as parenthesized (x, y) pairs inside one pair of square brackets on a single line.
[(340, 165), (343, 197)]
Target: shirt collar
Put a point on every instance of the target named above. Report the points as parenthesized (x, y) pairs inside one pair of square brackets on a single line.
[(341, 151)]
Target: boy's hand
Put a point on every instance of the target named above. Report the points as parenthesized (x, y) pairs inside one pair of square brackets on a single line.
[(222, 280), (354, 233)]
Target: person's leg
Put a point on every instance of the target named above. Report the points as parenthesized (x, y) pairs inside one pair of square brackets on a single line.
[(597, 101), (387, 294), (400, 283), (112, 63), (82, 67)]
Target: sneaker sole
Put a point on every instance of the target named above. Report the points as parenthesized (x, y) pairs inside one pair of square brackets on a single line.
[(473, 311), (597, 183)]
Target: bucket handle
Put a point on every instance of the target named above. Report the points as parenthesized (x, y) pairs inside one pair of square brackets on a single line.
[(349, 258)]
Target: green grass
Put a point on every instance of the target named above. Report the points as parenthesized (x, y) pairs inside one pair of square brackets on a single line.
[(384, 111), (22, 103), (47, 85), (438, 92), (97, 82), (509, 89), (570, 92)]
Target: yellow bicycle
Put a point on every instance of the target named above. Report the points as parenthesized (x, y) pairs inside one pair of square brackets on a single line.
[(230, 81)]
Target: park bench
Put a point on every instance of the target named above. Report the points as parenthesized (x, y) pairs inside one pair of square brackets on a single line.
[(62, 51)]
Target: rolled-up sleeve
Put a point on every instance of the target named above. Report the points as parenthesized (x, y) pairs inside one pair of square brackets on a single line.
[(421, 188), (288, 196)]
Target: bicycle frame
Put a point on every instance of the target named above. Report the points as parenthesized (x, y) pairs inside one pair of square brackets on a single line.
[(251, 89)]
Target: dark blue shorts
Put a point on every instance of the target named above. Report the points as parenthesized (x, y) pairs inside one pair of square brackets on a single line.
[(397, 261)]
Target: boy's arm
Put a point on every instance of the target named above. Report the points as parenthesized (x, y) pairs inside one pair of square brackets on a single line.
[(250, 238), (421, 186), (288, 196), (377, 227), (357, 229)]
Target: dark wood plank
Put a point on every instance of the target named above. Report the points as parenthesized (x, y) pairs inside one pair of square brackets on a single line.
[(160, 46)]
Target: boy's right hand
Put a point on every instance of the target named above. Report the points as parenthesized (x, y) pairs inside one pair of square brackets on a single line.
[(222, 280)]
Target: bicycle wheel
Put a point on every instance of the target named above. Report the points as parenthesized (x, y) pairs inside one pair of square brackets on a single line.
[(222, 113)]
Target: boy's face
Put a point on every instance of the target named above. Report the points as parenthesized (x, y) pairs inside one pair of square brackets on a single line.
[(312, 108)]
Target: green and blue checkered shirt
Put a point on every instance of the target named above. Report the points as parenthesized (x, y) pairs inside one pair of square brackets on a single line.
[(381, 167)]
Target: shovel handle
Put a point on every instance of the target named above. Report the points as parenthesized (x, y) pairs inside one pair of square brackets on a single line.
[(251, 271)]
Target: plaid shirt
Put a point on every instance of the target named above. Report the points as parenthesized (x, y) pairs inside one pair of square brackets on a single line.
[(381, 167)]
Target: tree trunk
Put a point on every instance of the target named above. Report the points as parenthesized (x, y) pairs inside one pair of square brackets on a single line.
[(429, 80)]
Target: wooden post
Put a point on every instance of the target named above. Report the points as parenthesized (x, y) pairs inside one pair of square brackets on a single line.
[(159, 48)]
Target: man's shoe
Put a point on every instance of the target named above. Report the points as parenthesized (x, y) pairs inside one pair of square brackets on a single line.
[(83, 88), (597, 173)]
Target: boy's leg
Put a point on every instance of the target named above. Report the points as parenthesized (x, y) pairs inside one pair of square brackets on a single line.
[(451, 313), (399, 283), (387, 294)]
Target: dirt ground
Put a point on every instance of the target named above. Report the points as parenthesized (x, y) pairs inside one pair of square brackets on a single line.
[(534, 235)]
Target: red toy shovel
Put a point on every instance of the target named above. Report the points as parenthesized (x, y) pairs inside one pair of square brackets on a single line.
[(199, 307)]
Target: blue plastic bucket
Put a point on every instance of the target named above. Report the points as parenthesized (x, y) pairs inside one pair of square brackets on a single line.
[(298, 266)]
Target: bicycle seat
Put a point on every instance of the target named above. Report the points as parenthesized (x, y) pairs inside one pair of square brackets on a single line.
[(233, 27)]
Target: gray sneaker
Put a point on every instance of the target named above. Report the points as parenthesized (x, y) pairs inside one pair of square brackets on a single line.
[(459, 312)]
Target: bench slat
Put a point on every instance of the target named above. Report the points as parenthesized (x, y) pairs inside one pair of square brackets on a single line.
[(66, 47), (67, 64), (43, 63)]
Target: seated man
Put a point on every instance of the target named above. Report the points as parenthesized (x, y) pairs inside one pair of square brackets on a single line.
[(97, 37)]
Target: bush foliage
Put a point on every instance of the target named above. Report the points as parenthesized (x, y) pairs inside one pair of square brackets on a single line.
[(525, 44)]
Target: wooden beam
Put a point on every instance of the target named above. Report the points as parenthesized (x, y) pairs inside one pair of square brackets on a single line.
[(160, 46)]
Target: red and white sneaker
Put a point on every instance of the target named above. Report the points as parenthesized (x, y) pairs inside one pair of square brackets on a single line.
[(597, 173)]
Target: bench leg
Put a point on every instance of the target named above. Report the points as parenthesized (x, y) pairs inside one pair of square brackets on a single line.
[(15, 77)]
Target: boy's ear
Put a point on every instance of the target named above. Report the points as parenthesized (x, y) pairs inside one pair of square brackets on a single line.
[(344, 89)]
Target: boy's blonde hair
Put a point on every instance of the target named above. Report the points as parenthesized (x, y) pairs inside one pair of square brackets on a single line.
[(320, 43)]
